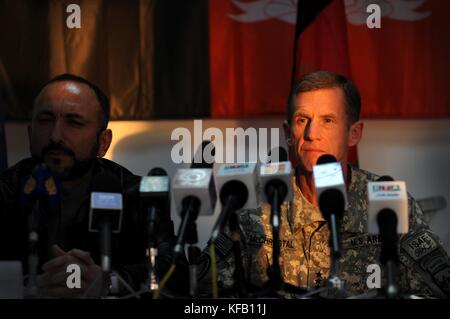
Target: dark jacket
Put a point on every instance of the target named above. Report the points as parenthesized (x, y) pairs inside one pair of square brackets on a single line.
[(128, 247)]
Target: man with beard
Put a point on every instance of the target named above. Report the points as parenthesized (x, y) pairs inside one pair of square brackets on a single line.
[(68, 137)]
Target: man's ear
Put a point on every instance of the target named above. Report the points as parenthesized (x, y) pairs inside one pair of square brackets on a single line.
[(105, 139), (355, 133)]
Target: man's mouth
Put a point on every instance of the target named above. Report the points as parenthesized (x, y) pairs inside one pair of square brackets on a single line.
[(57, 154), (313, 150)]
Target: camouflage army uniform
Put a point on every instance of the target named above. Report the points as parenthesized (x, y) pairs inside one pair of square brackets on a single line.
[(424, 266)]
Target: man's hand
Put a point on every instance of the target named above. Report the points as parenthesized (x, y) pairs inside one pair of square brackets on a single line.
[(53, 282)]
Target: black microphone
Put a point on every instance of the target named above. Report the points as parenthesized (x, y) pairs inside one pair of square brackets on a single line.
[(332, 206), (277, 154), (38, 189), (154, 194), (325, 159), (205, 155), (194, 195), (387, 224), (275, 178), (385, 178), (154, 191), (105, 215), (236, 185), (331, 192)]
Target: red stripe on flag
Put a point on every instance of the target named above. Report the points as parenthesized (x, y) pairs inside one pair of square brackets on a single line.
[(250, 62)]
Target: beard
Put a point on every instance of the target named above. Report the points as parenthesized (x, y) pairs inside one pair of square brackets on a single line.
[(76, 169)]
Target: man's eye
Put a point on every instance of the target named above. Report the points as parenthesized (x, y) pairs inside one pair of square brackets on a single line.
[(302, 120), (328, 120), (44, 120), (75, 123)]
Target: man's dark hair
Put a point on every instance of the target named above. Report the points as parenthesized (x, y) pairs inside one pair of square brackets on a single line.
[(327, 80), (101, 97)]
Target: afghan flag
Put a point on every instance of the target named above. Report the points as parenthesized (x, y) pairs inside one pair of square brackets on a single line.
[(402, 68)]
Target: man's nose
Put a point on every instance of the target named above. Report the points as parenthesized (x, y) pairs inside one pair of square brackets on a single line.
[(57, 132), (312, 130)]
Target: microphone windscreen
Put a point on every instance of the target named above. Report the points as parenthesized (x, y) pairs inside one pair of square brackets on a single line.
[(387, 221), (385, 178), (40, 184), (106, 202), (277, 151), (157, 171), (325, 159), (332, 201), (199, 161), (238, 190)]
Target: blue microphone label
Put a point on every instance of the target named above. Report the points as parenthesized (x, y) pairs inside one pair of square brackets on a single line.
[(101, 200), (232, 169)]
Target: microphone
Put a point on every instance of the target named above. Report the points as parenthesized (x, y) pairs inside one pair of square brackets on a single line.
[(154, 194), (38, 188), (277, 154), (388, 217), (194, 194), (105, 215), (328, 175), (154, 197), (276, 184), (387, 194), (205, 155), (40, 185), (275, 178), (236, 185), (332, 196)]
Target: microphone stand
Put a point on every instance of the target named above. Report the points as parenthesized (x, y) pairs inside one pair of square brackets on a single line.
[(33, 258), (187, 232), (229, 213), (276, 192), (106, 269), (335, 286), (193, 254), (387, 223), (152, 250)]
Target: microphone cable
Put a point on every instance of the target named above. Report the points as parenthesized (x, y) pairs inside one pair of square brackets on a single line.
[(164, 280), (212, 253)]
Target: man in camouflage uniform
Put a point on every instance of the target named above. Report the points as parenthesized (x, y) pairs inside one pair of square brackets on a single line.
[(323, 118)]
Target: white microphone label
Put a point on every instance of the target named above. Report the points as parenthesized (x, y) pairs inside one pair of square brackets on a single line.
[(328, 175), (154, 184)]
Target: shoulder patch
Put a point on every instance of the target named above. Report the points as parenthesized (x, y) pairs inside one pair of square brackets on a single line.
[(419, 245)]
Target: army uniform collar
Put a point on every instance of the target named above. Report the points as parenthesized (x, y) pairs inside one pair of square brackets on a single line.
[(301, 212)]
